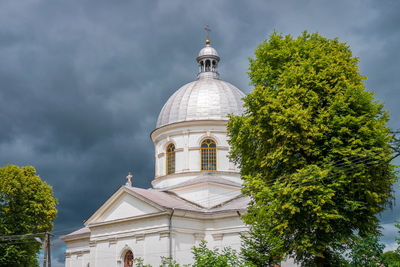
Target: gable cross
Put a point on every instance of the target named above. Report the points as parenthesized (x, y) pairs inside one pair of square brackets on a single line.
[(129, 177)]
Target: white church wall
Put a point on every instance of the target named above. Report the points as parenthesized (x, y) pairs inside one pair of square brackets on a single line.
[(77, 260), (137, 226), (105, 254), (182, 250), (179, 161), (77, 253), (148, 238), (187, 138), (156, 246)]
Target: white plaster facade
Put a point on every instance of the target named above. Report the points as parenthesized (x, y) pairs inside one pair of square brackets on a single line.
[(184, 207)]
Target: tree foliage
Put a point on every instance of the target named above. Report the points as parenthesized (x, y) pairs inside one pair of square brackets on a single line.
[(258, 246), (391, 259), (366, 252), (313, 147), (27, 206), (205, 257)]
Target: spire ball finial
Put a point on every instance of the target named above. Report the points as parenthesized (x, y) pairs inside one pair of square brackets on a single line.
[(129, 177), (207, 41)]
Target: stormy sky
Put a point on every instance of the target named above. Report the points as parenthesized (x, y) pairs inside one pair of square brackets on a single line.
[(82, 82)]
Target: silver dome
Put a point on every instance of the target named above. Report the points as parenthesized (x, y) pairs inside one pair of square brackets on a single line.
[(204, 99), (208, 51)]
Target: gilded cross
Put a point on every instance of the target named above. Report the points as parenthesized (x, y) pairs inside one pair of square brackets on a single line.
[(207, 30)]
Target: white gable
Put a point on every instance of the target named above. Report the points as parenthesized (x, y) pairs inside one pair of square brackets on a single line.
[(123, 205), (127, 206)]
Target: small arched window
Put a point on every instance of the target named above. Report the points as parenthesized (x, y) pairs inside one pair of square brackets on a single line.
[(208, 151), (214, 65), (170, 159), (128, 259)]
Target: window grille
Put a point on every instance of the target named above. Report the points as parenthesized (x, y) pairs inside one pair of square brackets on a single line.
[(208, 152), (170, 159)]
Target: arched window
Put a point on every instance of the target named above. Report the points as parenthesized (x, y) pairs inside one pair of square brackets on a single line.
[(214, 65), (208, 151), (208, 65), (128, 259), (170, 159)]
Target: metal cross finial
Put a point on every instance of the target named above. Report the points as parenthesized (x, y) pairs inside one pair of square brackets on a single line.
[(129, 177), (207, 30)]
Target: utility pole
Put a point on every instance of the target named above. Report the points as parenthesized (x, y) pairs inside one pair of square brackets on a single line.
[(48, 249), (47, 256), (45, 250)]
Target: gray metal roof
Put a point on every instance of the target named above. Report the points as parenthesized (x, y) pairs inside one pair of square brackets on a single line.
[(208, 50), (204, 99)]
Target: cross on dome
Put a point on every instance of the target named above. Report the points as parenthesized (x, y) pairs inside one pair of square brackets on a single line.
[(207, 31)]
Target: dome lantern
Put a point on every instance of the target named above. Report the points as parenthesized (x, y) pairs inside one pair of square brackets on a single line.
[(208, 60)]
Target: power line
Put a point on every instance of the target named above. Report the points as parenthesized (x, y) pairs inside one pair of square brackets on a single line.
[(348, 170)]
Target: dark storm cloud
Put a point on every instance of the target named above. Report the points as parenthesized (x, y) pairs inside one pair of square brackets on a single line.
[(82, 82)]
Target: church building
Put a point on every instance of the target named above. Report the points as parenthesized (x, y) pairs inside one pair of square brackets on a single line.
[(196, 191)]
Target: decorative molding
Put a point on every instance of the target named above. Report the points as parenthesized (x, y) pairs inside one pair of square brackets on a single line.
[(92, 243), (78, 253), (210, 135), (140, 237), (179, 149), (160, 154), (199, 236), (157, 134), (164, 234), (217, 237), (112, 241)]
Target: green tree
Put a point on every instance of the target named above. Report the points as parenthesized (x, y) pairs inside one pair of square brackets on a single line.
[(168, 262), (366, 252), (139, 262), (27, 207), (313, 147), (391, 259), (258, 246), (205, 257)]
